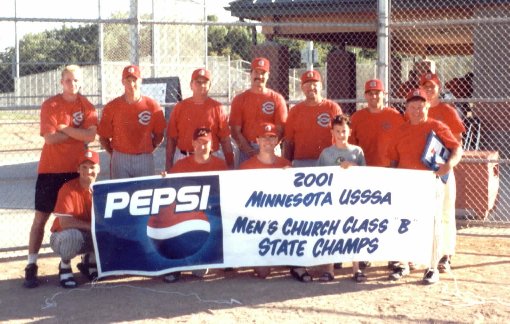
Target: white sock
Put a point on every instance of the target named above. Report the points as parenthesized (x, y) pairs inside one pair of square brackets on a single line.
[(32, 258)]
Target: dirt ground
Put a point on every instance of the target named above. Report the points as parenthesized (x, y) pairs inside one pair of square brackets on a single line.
[(477, 291)]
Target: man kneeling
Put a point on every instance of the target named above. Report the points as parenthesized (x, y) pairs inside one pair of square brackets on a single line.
[(71, 230)]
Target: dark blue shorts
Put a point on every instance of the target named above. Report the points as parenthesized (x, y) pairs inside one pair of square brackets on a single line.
[(47, 187)]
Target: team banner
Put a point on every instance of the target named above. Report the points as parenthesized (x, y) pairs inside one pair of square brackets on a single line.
[(295, 216)]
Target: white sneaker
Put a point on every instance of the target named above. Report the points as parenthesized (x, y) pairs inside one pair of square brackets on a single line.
[(399, 272), (200, 273), (431, 276)]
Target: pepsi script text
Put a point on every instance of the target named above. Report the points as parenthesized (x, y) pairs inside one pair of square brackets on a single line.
[(302, 216)]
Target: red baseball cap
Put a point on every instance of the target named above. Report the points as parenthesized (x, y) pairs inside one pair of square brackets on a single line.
[(91, 156), (267, 129), (131, 70), (312, 75), (201, 73), (374, 84), (430, 77), (202, 132), (260, 63), (416, 94)]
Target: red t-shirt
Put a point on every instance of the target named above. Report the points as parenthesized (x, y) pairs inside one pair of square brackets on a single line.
[(131, 126), (255, 163), (448, 115), (72, 200), (372, 132), (309, 128), (409, 141), (188, 164), (187, 116), (63, 157), (249, 110)]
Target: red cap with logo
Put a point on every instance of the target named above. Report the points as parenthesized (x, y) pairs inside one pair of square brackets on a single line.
[(260, 63), (131, 70), (374, 84), (202, 133), (201, 73), (430, 77), (312, 75), (89, 155), (267, 129), (416, 94)]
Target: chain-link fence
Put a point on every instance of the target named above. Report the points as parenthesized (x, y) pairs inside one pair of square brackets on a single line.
[(463, 41)]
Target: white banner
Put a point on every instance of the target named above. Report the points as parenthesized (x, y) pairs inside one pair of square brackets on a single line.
[(294, 216)]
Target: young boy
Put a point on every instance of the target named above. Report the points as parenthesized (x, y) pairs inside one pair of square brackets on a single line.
[(345, 155)]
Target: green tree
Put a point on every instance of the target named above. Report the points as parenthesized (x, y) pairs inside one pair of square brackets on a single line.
[(235, 41), (48, 50)]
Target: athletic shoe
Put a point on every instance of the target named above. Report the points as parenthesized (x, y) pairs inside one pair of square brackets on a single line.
[(200, 272), (399, 272), (444, 265), (431, 276), (172, 277), (31, 276), (392, 265), (364, 264)]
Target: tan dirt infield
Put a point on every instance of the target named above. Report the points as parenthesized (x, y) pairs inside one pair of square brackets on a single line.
[(477, 291)]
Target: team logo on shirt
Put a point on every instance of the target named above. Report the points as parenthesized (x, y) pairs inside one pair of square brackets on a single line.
[(268, 107), (386, 126), (144, 117), (77, 118), (323, 120)]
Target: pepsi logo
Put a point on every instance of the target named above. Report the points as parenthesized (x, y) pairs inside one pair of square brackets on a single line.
[(261, 63), (144, 117), (268, 107), (178, 235), (323, 120)]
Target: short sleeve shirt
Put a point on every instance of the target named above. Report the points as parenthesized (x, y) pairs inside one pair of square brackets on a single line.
[(187, 116), (73, 201), (249, 110), (309, 128), (132, 126), (63, 157)]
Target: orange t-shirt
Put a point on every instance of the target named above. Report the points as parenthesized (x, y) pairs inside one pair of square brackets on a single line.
[(72, 200), (372, 132), (131, 126), (409, 141), (255, 163), (63, 157), (187, 116), (249, 110), (448, 115), (188, 164), (309, 128)]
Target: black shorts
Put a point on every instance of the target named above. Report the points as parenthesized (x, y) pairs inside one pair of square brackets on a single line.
[(47, 187)]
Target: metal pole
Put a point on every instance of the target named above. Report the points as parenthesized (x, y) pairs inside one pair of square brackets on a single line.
[(16, 56), (206, 29), (102, 74), (135, 32), (155, 36), (309, 63), (383, 44)]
